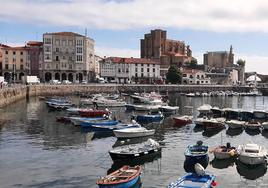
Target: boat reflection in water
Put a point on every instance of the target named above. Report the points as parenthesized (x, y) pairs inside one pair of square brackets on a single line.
[(210, 133), (251, 172), (189, 165), (139, 161), (221, 164), (252, 132), (264, 133), (98, 134), (234, 132)]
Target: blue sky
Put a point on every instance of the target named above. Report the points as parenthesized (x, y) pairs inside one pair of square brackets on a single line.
[(118, 26)]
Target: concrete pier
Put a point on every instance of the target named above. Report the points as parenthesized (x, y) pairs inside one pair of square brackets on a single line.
[(11, 94)]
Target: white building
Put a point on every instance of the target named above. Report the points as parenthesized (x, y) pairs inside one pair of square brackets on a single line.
[(67, 56), (194, 76), (125, 70)]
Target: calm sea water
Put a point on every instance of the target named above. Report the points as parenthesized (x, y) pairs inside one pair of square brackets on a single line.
[(36, 151)]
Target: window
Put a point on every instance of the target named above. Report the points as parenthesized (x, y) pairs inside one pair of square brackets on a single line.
[(6, 66), (47, 40), (21, 53), (136, 74), (57, 66), (79, 42), (141, 74), (63, 57), (6, 52), (127, 70), (70, 66), (136, 69), (141, 69), (57, 58), (136, 64), (63, 42), (14, 53), (119, 70), (57, 49), (47, 49), (148, 70), (21, 60), (14, 60), (57, 41), (153, 70), (79, 50), (47, 57), (79, 58), (21, 67), (142, 65)]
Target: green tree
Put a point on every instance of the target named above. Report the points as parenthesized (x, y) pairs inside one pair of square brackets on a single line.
[(173, 75), (241, 62), (193, 63)]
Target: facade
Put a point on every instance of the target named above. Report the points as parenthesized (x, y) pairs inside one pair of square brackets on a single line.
[(67, 56), (97, 65), (126, 70), (35, 56), (14, 62), (195, 76), (218, 60), (156, 46)]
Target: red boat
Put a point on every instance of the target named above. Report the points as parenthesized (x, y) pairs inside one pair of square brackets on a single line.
[(124, 177), (212, 123), (93, 113), (182, 120)]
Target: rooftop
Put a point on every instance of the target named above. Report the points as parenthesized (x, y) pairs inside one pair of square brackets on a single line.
[(35, 43), (132, 60)]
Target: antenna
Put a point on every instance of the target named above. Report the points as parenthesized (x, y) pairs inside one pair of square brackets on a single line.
[(86, 32)]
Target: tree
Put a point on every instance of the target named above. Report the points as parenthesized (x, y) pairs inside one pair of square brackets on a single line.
[(173, 75), (241, 62), (193, 63)]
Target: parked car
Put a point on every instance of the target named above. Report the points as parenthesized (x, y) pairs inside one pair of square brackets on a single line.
[(66, 82), (54, 82)]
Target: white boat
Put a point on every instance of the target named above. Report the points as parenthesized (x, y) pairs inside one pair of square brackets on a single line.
[(147, 107), (133, 132), (190, 95), (265, 125), (253, 125), (235, 124), (200, 121), (169, 109), (204, 109), (252, 154), (102, 102)]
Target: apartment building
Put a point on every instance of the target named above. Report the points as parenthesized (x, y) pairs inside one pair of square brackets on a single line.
[(14, 62), (67, 56), (126, 70)]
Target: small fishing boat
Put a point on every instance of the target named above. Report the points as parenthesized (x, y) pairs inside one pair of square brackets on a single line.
[(146, 107), (59, 106), (246, 115), (265, 125), (111, 128), (149, 118), (190, 95), (134, 151), (235, 124), (78, 120), (252, 154), (253, 125), (199, 179), (133, 132), (74, 111), (94, 113), (200, 121), (124, 177), (259, 114), (182, 120), (88, 124), (216, 112), (204, 109), (231, 113), (103, 102), (213, 123), (224, 152), (197, 153), (169, 109)]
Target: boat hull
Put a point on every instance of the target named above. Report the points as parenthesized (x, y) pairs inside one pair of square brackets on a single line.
[(251, 160), (120, 134), (121, 185), (181, 122)]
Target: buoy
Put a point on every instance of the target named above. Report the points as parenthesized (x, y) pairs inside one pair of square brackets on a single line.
[(214, 183)]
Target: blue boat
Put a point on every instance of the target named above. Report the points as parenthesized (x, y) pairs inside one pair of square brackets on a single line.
[(88, 124), (125, 177), (79, 120), (197, 153), (193, 180), (148, 118)]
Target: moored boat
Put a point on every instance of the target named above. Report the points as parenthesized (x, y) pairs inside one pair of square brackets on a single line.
[(252, 154), (259, 114), (111, 128), (216, 112), (199, 179), (169, 109), (133, 132), (79, 120), (204, 109), (224, 152), (213, 123), (88, 124), (265, 125), (197, 153), (182, 120), (134, 151), (235, 124), (123, 178), (93, 113), (200, 121), (149, 118), (253, 125)]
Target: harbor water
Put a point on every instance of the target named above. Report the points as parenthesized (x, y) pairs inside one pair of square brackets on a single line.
[(36, 151)]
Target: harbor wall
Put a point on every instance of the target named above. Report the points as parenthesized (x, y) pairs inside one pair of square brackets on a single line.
[(11, 94)]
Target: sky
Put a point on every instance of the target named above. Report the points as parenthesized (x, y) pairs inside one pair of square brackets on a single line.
[(118, 25)]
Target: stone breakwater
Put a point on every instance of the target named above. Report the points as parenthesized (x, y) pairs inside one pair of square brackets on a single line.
[(9, 95)]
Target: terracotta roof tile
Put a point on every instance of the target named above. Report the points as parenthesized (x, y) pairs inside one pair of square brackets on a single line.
[(64, 33)]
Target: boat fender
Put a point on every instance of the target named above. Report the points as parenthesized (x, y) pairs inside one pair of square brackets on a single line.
[(199, 169)]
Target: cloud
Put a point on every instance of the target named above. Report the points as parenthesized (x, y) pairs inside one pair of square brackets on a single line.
[(212, 15)]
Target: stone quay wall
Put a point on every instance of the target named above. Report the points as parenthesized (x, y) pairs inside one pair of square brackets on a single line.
[(11, 94)]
